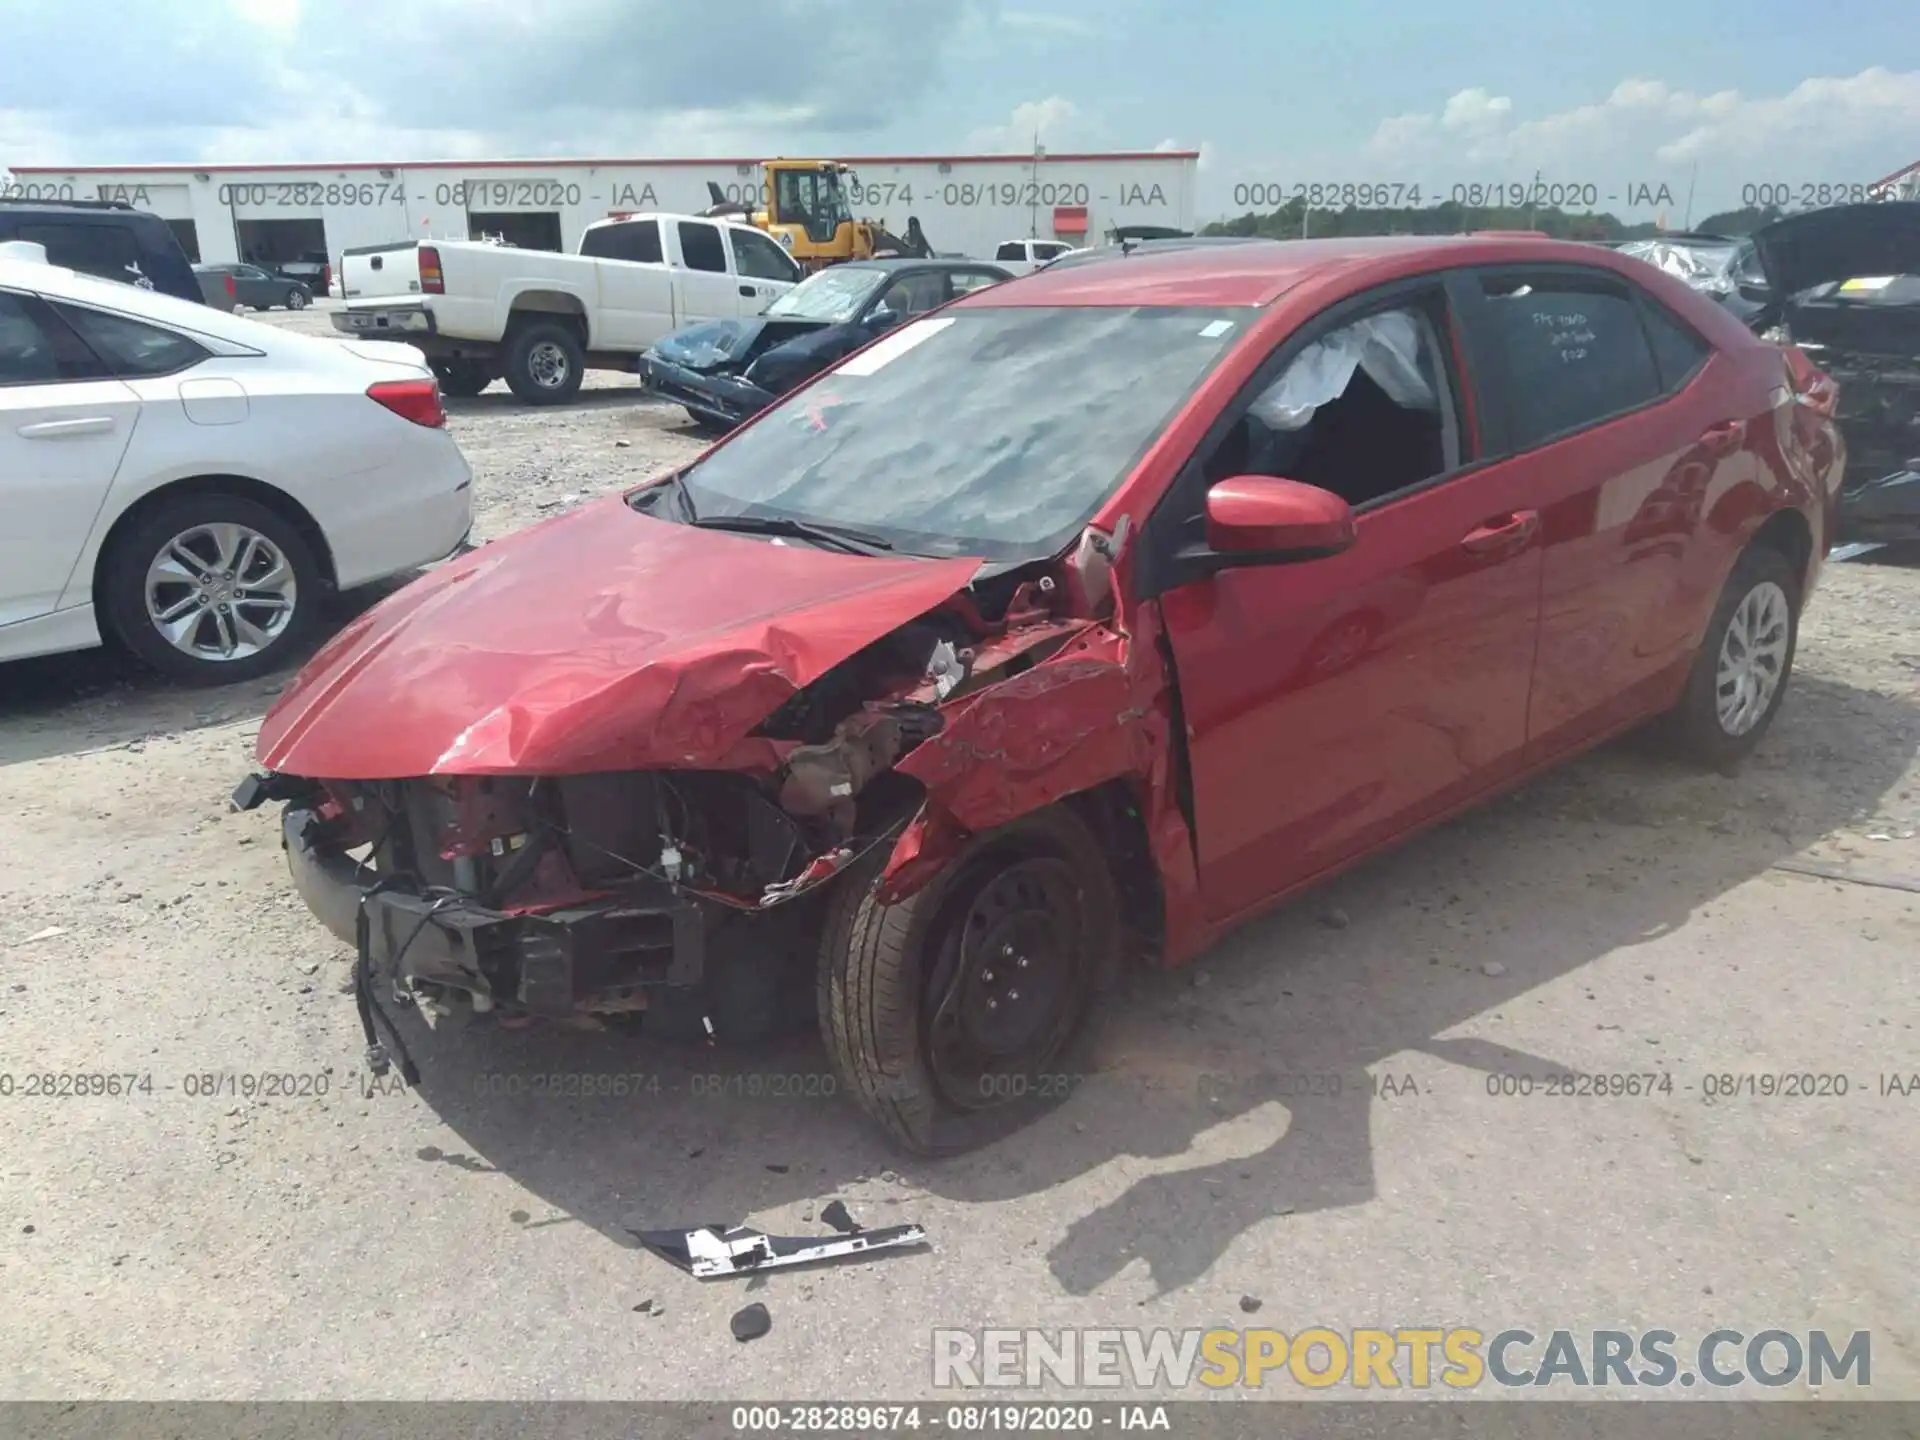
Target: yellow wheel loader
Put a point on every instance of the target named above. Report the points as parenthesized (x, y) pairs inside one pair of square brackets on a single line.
[(804, 205)]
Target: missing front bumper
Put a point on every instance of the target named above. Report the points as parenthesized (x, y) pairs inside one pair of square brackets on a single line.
[(724, 399), (603, 955)]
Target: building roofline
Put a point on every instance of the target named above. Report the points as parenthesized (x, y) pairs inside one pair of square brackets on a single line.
[(190, 167)]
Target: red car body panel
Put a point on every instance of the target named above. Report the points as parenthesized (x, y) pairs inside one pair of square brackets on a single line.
[(1271, 724), (600, 640)]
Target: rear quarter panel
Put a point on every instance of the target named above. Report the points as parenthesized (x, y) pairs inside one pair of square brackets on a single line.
[(369, 479)]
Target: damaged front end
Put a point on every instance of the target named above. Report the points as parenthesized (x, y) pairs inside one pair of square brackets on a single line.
[(692, 892), (712, 369)]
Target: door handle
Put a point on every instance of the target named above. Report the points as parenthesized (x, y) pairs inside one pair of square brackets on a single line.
[(1501, 532), (748, 291), (63, 429)]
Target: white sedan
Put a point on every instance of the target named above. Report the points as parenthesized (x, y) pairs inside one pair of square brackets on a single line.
[(192, 483)]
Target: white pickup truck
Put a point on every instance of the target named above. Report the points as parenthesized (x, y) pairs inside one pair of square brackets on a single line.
[(1021, 256), (483, 311)]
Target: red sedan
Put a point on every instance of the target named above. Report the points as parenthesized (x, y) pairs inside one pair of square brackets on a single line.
[(1083, 618)]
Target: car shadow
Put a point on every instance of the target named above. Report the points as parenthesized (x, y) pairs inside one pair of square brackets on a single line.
[(102, 699), (1219, 1096)]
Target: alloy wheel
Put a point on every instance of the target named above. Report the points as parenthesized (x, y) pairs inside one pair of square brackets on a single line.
[(1753, 657), (220, 592)]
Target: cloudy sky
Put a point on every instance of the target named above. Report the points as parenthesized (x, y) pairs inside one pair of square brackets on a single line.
[(1717, 93)]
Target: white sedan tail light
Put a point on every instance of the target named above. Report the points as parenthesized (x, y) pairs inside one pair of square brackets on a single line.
[(415, 400)]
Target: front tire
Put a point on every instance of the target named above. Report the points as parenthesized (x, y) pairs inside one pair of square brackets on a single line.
[(545, 363), (211, 589), (1745, 661), (296, 299), (952, 1015)]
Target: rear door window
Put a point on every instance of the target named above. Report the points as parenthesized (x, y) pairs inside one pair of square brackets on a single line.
[(1569, 351), (36, 350), (702, 248), (965, 282), (1011, 250), (131, 348), (1677, 351), (632, 240), (108, 251)]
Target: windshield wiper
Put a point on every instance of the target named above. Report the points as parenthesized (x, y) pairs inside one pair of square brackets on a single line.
[(854, 542), (684, 496)]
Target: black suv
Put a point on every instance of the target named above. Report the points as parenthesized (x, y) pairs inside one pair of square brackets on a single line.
[(108, 238)]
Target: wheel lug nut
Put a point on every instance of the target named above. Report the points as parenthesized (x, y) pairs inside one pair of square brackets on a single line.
[(1013, 994), (1007, 950), (993, 1004), (1021, 963), (986, 977)]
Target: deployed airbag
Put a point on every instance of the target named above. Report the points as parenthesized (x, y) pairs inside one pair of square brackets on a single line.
[(1386, 346)]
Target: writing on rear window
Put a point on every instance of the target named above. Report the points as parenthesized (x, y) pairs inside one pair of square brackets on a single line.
[(1567, 332)]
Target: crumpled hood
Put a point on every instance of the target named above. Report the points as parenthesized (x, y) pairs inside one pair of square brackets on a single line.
[(599, 640), (1840, 243), (719, 342)]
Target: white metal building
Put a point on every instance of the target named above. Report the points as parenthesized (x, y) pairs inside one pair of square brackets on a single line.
[(278, 213)]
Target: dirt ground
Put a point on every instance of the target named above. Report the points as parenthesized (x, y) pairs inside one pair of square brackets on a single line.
[(1620, 915)]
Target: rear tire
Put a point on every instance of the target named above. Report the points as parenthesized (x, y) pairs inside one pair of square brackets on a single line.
[(1036, 894), (545, 363), (462, 379), (1744, 664), (152, 577)]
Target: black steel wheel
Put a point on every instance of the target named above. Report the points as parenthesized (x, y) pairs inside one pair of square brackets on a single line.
[(955, 1015)]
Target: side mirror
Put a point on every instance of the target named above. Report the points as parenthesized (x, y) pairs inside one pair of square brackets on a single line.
[(881, 318), (1258, 519)]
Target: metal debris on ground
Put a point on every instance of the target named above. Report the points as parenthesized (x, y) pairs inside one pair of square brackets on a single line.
[(1853, 551), (711, 1251)]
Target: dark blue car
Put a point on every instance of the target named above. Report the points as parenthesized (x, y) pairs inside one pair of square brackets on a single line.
[(726, 371)]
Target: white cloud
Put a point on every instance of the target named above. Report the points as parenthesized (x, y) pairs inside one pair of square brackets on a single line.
[(1039, 23), (1056, 121), (1826, 129), (1475, 112), (278, 15), (250, 79)]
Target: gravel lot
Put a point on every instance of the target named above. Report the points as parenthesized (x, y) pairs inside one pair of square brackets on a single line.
[(1618, 916)]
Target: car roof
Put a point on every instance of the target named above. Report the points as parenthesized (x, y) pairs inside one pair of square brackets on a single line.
[(1250, 271), (728, 221), (96, 211)]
